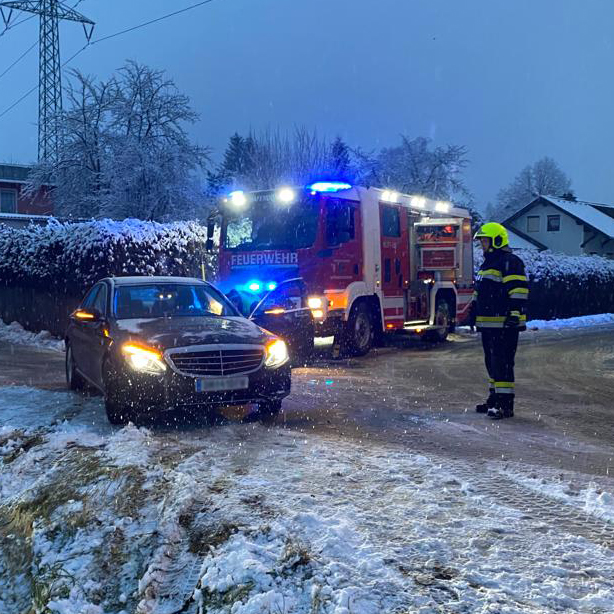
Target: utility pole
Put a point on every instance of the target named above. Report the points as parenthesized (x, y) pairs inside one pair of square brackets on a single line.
[(49, 73)]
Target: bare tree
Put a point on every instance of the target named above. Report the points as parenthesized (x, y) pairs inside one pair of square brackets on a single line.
[(270, 158), (125, 152), (413, 167), (543, 178)]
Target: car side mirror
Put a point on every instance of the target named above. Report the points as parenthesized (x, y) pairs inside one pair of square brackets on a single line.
[(87, 315)]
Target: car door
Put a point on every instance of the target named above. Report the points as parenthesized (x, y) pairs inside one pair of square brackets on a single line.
[(284, 311), (99, 336), (80, 329)]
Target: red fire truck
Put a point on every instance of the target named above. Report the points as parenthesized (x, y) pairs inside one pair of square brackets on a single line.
[(353, 262)]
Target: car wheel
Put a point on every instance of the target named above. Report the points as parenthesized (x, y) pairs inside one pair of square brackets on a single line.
[(118, 412), (74, 380), (359, 332), (442, 320)]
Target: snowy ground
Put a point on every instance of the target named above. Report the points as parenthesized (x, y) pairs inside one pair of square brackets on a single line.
[(15, 333), (251, 519), (364, 499)]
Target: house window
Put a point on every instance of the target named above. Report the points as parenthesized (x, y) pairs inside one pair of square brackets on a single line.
[(8, 201), (554, 223), (532, 223)]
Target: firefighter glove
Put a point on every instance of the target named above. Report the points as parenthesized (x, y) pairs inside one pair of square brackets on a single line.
[(512, 320)]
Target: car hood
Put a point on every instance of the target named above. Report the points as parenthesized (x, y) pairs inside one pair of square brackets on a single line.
[(165, 333)]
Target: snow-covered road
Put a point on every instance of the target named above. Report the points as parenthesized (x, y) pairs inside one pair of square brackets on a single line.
[(370, 494), (246, 518)]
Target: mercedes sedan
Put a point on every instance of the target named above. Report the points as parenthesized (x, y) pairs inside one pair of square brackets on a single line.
[(152, 344)]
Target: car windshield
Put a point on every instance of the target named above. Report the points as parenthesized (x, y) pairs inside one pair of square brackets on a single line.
[(269, 226), (170, 300)]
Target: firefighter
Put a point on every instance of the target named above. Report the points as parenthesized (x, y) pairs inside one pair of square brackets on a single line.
[(499, 308)]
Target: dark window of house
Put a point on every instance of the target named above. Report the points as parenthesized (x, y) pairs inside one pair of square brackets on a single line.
[(554, 223), (8, 201), (391, 221), (532, 223)]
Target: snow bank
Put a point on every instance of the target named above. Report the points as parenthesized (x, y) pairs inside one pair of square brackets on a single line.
[(578, 322), (15, 333)]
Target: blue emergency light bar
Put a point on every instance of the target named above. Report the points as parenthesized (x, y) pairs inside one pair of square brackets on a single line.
[(329, 186)]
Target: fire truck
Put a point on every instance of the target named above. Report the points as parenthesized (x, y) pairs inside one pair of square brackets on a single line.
[(355, 263)]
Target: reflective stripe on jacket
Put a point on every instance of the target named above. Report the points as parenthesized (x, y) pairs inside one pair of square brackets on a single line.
[(501, 290)]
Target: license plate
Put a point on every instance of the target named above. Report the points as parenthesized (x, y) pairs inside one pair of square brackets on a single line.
[(217, 384)]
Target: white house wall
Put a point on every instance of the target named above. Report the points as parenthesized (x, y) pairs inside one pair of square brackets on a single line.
[(567, 240)]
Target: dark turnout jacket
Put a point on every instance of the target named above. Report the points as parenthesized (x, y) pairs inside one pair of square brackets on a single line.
[(501, 290)]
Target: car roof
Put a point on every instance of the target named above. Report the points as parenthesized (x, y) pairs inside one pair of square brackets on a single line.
[(150, 279)]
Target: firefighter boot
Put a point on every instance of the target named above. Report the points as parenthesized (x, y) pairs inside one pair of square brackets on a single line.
[(504, 407), (483, 408)]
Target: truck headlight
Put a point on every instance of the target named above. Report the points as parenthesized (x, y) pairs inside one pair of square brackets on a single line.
[(276, 353), (315, 302), (146, 360)]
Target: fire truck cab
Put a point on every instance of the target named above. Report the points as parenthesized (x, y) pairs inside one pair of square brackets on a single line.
[(349, 261)]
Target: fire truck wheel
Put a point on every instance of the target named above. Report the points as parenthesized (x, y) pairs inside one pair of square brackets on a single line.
[(442, 319), (358, 337)]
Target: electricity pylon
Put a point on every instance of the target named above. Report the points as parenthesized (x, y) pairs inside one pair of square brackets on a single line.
[(49, 73)]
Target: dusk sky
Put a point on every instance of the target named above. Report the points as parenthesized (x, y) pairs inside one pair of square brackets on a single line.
[(512, 80)]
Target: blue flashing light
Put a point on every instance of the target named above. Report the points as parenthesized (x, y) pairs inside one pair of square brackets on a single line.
[(329, 186), (254, 286), (271, 285)]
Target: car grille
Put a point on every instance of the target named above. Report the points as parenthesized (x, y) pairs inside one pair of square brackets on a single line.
[(217, 362)]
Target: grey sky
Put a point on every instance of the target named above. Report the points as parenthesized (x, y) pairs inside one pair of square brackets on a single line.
[(512, 80)]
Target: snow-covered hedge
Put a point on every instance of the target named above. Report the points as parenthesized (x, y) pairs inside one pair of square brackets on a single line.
[(562, 286), (68, 258)]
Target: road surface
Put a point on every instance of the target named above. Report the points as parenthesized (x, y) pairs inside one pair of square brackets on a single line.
[(423, 396)]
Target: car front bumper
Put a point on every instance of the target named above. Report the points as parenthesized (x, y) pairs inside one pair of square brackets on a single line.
[(168, 391)]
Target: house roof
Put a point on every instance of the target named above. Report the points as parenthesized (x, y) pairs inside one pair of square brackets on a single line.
[(519, 240), (584, 212), (14, 172)]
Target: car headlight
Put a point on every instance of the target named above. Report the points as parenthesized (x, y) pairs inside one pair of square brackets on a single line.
[(276, 353), (146, 360), (315, 302)]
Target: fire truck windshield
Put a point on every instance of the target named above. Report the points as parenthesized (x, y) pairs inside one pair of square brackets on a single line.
[(266, 225)]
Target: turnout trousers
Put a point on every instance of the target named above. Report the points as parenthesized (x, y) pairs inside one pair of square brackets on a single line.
[(499, 354)]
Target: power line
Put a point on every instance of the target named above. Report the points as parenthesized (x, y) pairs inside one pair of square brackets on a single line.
[(23, 55), (104, 38), (147, 23)]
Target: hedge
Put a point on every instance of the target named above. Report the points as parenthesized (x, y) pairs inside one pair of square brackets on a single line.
[(68, 258), (562, 286)]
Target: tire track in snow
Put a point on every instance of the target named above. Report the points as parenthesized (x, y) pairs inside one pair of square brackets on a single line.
[(537, 506)]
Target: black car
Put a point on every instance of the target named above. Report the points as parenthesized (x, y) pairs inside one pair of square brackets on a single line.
[(151, 344)]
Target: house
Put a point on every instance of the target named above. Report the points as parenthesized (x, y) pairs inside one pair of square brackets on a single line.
[(519, 240), (13, 178), (566, 225)]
